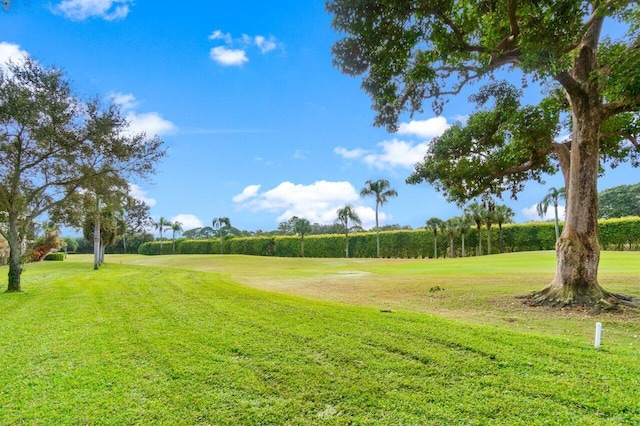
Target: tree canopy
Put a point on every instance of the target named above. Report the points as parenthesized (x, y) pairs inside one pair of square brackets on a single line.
[(54, 147), (620, 201)]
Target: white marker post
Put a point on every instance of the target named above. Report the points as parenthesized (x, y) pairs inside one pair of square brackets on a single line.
[(598, 334)]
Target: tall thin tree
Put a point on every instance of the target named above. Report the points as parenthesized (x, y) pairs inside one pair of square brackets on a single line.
[(301, 227), (346, 214), (451, 228), (476, 212), (161, 225), (434, 224), (221, 224), (489, 219), (381, 189), (462, 227), (553, 197), (175, 228), (503, 214)]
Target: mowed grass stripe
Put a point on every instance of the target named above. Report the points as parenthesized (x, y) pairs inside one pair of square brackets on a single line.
[(478, 290), (131, 344)]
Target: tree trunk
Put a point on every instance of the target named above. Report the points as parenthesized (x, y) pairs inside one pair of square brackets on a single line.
[(578, 250), (96, 243), (346, 234), (463, 252), (377, 233), (102, 247), (451, 246), (488, 239), (435, 245), (555, 210), (15, 250)]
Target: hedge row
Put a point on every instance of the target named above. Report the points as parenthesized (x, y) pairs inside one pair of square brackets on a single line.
[(57, 256), (615, 234)]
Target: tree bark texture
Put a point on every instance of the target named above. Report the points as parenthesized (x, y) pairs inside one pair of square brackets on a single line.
[(578, 249), (15, 250), (96, 243)]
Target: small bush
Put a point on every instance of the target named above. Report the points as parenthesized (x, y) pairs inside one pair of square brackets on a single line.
[(59, 256)]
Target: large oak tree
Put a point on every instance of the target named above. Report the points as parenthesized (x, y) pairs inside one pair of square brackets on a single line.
[(53, 146), (411, 50)]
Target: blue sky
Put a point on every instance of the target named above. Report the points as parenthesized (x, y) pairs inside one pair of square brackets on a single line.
[(258, 124)]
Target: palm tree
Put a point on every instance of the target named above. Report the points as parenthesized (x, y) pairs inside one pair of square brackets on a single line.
[(175, 227), (381, 189), (489, 219), (552, 197), (475, 211), (434, 224), (220, 223), (503, 214), (301, 227), (462, 227), (346, 214), (451, 227), (161, 225)]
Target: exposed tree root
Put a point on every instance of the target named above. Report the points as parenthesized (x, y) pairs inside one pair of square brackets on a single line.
[(597, 300)]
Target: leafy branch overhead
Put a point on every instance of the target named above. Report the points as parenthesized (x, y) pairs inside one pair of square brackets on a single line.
[(409, 51)]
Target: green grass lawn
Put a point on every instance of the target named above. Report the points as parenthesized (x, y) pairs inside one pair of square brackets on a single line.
[(228, 340)]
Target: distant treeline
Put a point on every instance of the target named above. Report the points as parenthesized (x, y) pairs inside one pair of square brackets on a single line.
[(615, 234)]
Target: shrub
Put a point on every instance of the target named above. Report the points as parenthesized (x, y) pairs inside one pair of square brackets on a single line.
[(59, 256)]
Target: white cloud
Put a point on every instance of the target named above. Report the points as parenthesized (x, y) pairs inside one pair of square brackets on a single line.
[(228, 57), (140, 194), (399, 153), (350, 154), (79, 10), (249, 192), (265, 45), (396, 153), (12, 52), (188, 221), (368, 217), (317, 202), (300, 154), (531, 213), (425, 129), (219, 35), (236, 51), (150, 123), (392, 154), (126, 100)]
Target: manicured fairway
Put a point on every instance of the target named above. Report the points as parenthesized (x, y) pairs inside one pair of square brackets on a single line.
[(479, 290), (187, 341)]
